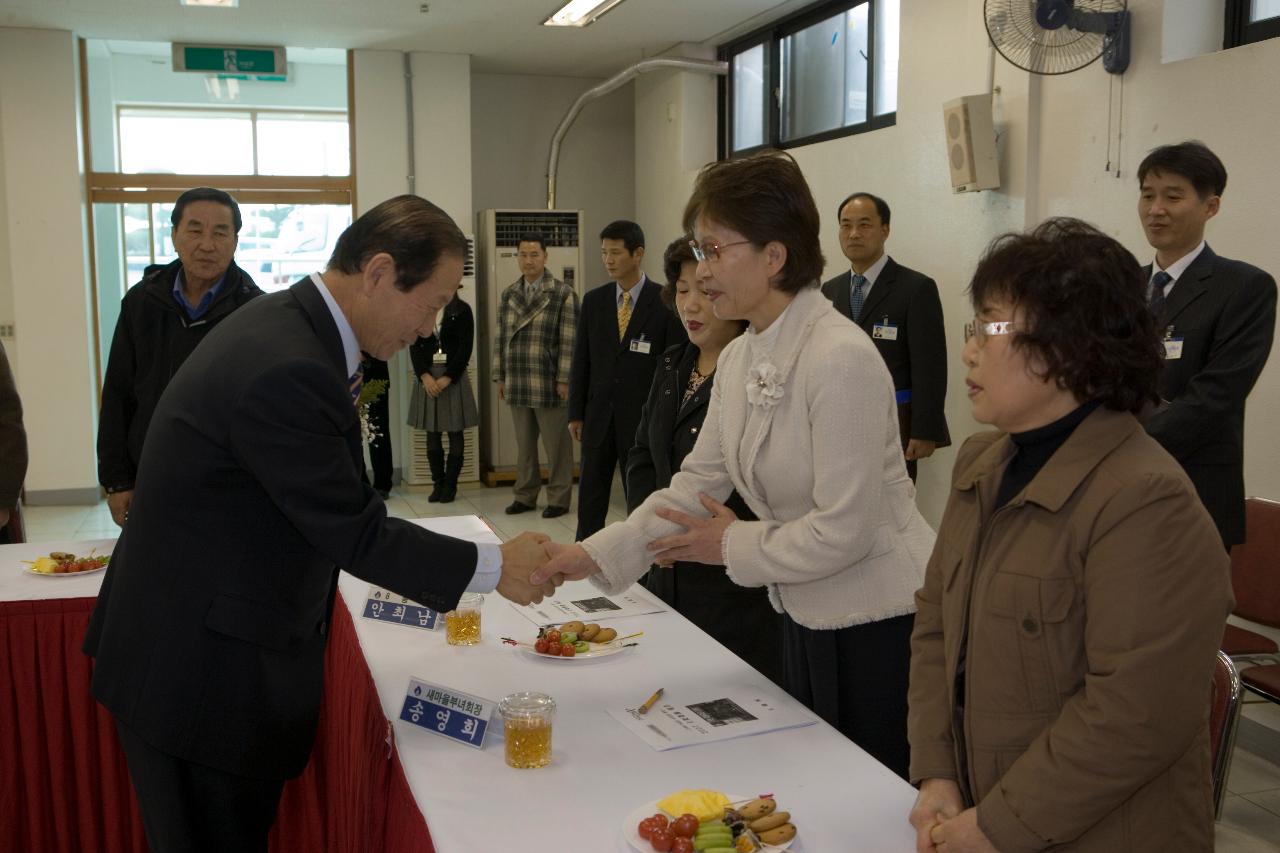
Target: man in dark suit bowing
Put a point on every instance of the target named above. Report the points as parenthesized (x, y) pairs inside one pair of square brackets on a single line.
[(1218, 318), (899, 308), (622, 331), (210, 629)]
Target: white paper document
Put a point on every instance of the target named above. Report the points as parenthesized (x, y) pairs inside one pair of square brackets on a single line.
[(690, 716), (584, 602)]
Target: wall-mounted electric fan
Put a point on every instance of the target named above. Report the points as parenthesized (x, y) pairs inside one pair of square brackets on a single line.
[(1059, 36)]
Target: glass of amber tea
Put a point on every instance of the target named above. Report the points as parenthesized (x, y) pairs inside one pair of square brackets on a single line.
[(526, 728), (462, 624)]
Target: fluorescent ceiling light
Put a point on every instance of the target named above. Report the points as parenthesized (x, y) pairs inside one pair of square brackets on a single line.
[(225, 4), (579, 13)]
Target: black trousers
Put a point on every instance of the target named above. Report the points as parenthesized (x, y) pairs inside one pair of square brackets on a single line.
[(380, 420), (855, 678), (190, 808), (595, 480)]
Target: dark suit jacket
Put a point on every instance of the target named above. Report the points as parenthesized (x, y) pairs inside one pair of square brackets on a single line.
[(1225, 313), (209, 632), (13, 438), (609, 382), (918, 358)]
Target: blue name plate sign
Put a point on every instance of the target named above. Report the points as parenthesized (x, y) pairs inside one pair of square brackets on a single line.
[(449, 713), (385, 606)]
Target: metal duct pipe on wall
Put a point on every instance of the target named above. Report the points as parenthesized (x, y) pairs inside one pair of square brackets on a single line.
[(621, 78)]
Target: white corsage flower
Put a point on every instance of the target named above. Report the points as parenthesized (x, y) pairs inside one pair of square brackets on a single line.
[(763, 387)]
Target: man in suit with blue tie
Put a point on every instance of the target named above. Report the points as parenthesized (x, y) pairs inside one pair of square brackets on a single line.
[(210, 629), (900, 310), (622, 332), (1218, 318)]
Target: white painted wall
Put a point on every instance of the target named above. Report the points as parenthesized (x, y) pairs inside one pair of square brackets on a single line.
[(513, 118), (43, 265)]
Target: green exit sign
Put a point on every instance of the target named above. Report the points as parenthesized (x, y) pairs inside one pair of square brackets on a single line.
[(220, 59)]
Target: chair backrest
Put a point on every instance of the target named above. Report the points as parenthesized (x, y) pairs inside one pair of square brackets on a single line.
[(1224, 714), (1255, 564)]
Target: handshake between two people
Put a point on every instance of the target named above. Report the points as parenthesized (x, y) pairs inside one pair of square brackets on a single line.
[(533, 566)]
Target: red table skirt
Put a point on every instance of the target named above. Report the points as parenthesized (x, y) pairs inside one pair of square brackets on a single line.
[(64, 785)]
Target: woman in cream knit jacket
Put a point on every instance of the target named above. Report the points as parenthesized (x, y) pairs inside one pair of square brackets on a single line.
[(802, 422)]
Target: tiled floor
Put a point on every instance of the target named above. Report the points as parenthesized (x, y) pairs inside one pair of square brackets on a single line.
[(1251, 815)]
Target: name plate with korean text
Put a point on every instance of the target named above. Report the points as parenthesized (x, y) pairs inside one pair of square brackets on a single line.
[(385, 606), (447, 712)]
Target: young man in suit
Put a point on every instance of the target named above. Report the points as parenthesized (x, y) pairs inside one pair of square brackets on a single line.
[(210, 628), (162, 319), (537, 322), (622, 332), (1218, 318), (900, 309)]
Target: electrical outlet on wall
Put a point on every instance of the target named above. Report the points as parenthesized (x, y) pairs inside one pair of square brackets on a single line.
[(6, 330)]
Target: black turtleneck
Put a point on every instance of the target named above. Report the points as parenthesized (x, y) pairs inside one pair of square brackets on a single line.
[(1034, 447)]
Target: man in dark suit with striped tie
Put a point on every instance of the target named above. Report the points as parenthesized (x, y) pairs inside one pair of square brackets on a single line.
[(1217, 318), (210, 629), (900, 310)]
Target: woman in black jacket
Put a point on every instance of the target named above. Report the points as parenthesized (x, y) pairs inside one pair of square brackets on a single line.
[(738, 617), (442, 399)]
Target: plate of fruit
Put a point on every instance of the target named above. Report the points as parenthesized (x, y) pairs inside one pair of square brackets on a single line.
[(575, 641), (702, 821), (60, 564)]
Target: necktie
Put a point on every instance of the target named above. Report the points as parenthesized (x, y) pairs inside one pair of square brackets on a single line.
[(624, 314), (855, 298), (357, 382), (1159, 282)]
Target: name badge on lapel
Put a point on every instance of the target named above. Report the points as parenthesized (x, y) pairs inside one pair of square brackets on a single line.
[(446, 712), (640, 345), (1172, 345), (882, 331), (385, 606)]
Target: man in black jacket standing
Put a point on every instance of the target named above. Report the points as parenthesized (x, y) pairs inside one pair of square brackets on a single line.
[(1217, 317), (210, 628), (162, 319), (622, 332), (900, 309)]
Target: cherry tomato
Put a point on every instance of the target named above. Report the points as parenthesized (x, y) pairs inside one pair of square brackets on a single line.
[(682, 845), (567, 650), (553, 636), (662, 839), (645, 830), (659, 819), (685, 826), (541, 647)]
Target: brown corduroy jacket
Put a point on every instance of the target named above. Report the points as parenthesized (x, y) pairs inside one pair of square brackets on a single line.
[(1093, 605)]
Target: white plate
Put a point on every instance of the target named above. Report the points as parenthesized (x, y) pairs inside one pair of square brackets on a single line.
[(597, 651), (630, 827), (29, 571)]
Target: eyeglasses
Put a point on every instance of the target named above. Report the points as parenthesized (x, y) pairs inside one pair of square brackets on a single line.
[(708, 252), (977, 329)]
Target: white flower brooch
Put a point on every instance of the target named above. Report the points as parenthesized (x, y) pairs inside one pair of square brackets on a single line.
[(763, 387)]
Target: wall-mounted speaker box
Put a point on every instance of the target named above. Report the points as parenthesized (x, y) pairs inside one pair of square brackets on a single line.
[(971, 144)]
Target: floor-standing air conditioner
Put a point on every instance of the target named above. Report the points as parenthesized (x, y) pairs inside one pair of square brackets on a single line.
[(497, 238), (418, 471)]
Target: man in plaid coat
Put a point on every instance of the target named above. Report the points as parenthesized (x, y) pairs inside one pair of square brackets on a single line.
[(537, 321)]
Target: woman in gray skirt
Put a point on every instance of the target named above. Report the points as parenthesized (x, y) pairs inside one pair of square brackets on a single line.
[(442, 400)]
